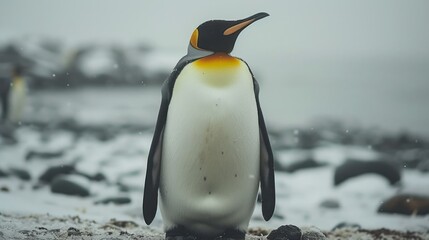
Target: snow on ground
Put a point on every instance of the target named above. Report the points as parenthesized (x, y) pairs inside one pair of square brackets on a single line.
[(121, 158), (300, 195)]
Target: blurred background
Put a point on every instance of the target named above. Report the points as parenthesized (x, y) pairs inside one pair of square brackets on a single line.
[(344, 86)]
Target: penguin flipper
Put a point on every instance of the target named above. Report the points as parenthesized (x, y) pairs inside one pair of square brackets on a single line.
[(266, 163), (150, 197)]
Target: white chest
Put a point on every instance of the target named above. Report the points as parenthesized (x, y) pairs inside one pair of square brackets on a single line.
[(210, 156)]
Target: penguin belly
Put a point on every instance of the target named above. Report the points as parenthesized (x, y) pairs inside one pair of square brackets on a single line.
[(210, 154)]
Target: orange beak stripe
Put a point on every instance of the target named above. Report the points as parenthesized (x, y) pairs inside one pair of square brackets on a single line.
[(235, 28)]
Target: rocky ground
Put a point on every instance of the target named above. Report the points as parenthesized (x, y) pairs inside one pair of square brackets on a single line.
[(73, 227)]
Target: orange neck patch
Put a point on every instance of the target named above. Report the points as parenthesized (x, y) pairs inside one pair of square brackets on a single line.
[(217, 60)]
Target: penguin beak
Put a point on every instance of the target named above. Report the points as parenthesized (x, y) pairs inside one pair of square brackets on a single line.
[(243, 23)]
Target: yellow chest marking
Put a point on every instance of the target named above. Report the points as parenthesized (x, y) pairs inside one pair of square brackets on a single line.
[(217, 70), (217, 61), (17, 80)]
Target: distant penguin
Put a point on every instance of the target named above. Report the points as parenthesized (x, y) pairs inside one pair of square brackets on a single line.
[(4, 97), (210, 149), (17, 95)]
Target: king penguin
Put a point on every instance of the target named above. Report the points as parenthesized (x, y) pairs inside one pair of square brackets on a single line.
[(210, 150), (13, 93)]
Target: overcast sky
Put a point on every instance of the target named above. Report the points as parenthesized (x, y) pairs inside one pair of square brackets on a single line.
[(340, 27)]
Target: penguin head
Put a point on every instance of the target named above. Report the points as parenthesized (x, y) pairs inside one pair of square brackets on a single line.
[(220, 35), (17, 71)]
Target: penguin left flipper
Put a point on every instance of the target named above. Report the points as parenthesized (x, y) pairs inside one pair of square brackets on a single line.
[(150, 197), (268, 192)]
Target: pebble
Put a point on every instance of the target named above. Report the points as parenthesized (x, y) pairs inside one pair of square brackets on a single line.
[(304, 164), (285, 232), (95, 177), (73, 232), (346, 225), (330, 203), (312, 233), (114, 200), (43, 154)]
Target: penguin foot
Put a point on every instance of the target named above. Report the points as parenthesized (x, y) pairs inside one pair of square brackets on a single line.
[(232, 234), (181, 238), (179, 233)]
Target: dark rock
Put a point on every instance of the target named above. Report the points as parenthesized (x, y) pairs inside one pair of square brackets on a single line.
[(105, 136), (96, 177), (38, 185), (123, 188), (70, 185), (114, 200), (304, 164), (20, 173), (43, 155), (312, 233), (73, 232), (346, 225), (3, 173), (354, 168), (406, 204), (285, 232), (54, 171), (297, 138), (330, 203), (4, 189), (423, 166)]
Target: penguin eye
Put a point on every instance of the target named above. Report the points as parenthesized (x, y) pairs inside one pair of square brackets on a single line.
[(194, 39)]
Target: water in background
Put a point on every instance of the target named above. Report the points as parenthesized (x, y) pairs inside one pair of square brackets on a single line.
[(391, 94)]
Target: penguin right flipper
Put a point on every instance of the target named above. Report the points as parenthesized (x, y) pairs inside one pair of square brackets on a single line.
[(150, 197)]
